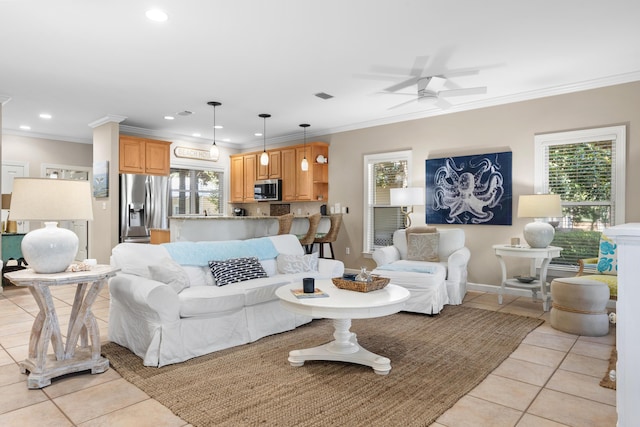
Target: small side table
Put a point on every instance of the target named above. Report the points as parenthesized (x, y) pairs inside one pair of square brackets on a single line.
[(544, 254), (68, 357)]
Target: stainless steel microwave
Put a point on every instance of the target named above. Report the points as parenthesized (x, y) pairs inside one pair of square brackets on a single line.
[(267, 190)]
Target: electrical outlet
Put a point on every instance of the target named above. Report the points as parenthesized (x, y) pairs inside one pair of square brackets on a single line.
[(348, 250)]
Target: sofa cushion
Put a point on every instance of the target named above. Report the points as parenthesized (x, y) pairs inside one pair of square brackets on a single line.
[(287, 244), (170, 272), (423, 247), (236, 270), (291, 264), (135, 258), (210, 300), (199, 276)]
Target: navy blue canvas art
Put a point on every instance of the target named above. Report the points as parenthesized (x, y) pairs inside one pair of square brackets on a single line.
[(469, 189)]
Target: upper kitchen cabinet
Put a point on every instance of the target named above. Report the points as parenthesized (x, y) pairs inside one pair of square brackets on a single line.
[(243, 177), (144, 156), (302, 186), (274, 169)]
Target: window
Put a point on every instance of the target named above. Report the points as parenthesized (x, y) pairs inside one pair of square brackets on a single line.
[(196, 192), (586, 168), (382, 173)]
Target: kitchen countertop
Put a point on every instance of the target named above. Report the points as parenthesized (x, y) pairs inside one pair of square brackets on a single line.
[(254, 217)]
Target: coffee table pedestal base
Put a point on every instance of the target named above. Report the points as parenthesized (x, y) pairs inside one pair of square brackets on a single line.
[(344, 348)]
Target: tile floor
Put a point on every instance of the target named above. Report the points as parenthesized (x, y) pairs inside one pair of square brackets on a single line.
[(550, 380)]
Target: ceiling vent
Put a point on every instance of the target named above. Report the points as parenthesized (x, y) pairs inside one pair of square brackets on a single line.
[(323, 95)]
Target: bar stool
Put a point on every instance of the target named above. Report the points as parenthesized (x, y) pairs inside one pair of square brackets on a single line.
[(307, 239), (330, 236), (284, 223)]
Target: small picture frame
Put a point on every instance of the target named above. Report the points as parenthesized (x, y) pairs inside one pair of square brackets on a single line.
[(101, 179)]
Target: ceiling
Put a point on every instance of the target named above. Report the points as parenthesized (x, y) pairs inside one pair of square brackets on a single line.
[(82, 61)]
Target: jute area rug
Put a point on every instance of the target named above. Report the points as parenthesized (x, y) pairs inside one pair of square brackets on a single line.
[(435, 361)]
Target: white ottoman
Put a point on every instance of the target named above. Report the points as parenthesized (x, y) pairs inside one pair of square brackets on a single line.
[(580, 306), (426, 284)]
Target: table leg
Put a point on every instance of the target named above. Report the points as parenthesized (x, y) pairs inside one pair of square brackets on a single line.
[(344, 348), (503, 269), (543, 284)]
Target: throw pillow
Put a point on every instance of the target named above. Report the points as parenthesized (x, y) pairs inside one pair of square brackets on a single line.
[(236, 270), (291, 264), (420, 229), (423, 247), (607, 256), (171, 273)]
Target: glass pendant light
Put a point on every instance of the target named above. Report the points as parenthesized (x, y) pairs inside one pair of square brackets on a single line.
[(304, 165), (214, 153), (264, 157)]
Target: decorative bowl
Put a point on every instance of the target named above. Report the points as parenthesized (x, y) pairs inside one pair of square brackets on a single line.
[(524, 279)]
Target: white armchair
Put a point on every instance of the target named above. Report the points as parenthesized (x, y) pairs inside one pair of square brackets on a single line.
[(431, 283)]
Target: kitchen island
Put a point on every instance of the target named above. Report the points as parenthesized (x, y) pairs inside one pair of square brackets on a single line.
[(212, 228)]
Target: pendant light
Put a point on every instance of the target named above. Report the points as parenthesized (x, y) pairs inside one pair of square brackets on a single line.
[(214, 153), (264, 157), (304, 165)]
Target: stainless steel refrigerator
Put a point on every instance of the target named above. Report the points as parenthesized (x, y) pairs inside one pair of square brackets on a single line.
[(144, 204)]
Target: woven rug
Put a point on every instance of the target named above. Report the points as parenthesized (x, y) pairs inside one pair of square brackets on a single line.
[(435, 361), (606, 380)]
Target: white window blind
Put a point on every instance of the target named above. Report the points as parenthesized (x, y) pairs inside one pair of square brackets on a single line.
[(586, 169), (383, 172)]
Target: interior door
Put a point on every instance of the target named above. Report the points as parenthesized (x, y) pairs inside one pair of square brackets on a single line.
[(11, 170)]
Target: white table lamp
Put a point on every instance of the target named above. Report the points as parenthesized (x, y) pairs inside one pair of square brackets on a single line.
[(50, 249), (539, 234), (406, 198)]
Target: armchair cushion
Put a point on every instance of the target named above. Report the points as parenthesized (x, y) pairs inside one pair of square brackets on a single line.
[(607, 256), (423, 247)]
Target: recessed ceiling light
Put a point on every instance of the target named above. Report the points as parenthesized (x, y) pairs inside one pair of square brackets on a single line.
[(227, 140), (169, 117), (157, 15), (45, 116), (219, 127), (257, 134), (25, 127), (197, 135)]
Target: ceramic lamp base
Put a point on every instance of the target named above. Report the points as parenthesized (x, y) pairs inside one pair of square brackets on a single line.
[(538, 234), (49, 249)]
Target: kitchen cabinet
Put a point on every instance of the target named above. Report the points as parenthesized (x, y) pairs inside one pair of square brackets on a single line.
[(243, 177), (297, 185), (144, 156), (273, 169)]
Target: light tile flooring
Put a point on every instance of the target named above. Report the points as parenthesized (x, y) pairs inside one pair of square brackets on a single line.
[(550, 380)]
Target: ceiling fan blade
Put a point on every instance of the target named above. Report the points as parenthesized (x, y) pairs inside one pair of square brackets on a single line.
[(402, 85), (403, 104), (396, 93), (464, 91)]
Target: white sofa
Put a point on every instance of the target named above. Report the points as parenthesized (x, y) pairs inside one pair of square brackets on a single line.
[(431, 284), (163, 324)]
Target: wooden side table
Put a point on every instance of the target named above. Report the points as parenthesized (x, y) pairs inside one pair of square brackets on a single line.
[(68, 357), (544, 254)]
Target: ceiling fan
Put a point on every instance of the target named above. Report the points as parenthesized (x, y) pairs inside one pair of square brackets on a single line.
[(432, 89)]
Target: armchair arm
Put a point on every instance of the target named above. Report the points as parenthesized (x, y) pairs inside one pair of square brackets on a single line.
[(152, 299), (582, 262), (386, 255), (457, 265), (330, 267)]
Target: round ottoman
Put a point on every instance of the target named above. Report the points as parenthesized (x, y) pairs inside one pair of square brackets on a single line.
[(580, 306)]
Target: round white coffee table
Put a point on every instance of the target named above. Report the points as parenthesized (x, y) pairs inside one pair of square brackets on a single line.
[(342, 306)]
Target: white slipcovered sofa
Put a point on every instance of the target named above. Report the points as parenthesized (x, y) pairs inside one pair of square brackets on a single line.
[(432, 284), (166, 308)]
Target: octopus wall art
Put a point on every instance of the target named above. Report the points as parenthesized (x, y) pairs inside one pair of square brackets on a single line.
[(469, 189)]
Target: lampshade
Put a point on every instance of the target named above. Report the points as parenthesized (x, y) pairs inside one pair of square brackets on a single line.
[(539, 206), (539, 234), (408, 197), (50, 249)]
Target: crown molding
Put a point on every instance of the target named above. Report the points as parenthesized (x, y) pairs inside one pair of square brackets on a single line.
[(109, 118), (29, 134), (137, 131)]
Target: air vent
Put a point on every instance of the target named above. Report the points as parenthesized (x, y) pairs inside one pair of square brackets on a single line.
[(323, 95), (185, 113)]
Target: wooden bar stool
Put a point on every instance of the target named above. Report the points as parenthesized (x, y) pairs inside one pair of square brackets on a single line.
[(284, 223), (330, 236), (307, 239)]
